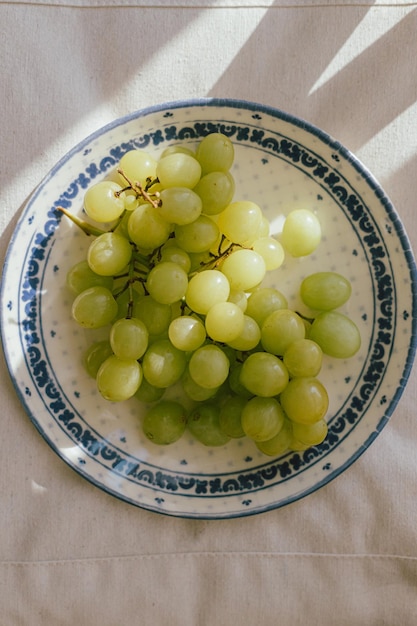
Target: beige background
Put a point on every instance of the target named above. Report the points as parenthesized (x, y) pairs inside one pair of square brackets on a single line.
[(69, 553)]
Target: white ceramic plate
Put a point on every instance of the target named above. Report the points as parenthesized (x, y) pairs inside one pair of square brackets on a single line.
[(281, 163)]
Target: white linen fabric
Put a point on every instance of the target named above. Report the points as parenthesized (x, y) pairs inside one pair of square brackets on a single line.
[(344, 555)]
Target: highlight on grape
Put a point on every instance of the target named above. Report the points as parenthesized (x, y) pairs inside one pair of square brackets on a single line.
[(175, 272)]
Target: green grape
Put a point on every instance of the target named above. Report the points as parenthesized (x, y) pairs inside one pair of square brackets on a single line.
[(129, 338), (264, 301), (118, 379), (138, 166), (305, 400), (209, 366), (187, 333), (240, 222), (336, 334), (271, 251), (167, 282), (199, 236), (94, 307), (262, 418), (103, 203), (95, 355), (175, 149), (249, 338), (215, 153), (239, 297), (203, 423), (235, 384), (303, 357), (165, 422), (280, 443), (155, 315), (205, 289), (81, 277), (176, 255), (216, 190), (180, 205), (325, 291), (245, 269), (264, 374), (147, 393), (147, 228), (301, 233), (194, 391), (230, 415), (178, 170), (109, 254), (224, 322), (310, 434), (163, 364), (280, 329)]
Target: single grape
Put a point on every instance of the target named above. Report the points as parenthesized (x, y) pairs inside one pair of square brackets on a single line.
[(81, 277), (147, 228), (301, 233), (180, 205), (303, 357), (94, 307), (205, 289), (249, 338), (336, 334), (129, 338), (240, 222), (103, 201), (187, 333), (216, 190), (138, 165), (163, 364), (147, 393), (264, 301), (244, 268), (209, 366), (118, 379), (109, 254), (262, 418), (178, 170), (264, 374), (155, 315), (176, 255), (215, 153), (239, 297), (280, 329), (305, 400), (165, 422), (230, 416), (271, 251), (203, 423), (167, 282), (224, 322), (194, 391), (325, 291), (234, 382), (280, 443), (95, 355), (199, 236), (310, 434)]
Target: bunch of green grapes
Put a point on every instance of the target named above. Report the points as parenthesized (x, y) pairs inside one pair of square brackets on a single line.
[(175, 272)]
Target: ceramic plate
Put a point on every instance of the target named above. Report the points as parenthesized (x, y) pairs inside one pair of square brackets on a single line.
[(281, 163)]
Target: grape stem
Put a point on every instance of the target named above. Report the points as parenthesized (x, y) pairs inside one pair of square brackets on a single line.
[(87, 228), (141, 191)]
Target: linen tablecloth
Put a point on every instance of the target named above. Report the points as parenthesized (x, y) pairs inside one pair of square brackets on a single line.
[(69, 552)]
